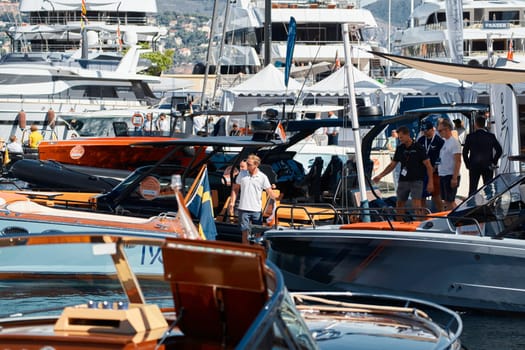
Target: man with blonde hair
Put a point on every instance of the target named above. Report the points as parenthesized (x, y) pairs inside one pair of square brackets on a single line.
[(250, 183), (14, 146)]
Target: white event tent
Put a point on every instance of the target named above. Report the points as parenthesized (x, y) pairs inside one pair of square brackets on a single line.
[(267, 86), (367, 88), (447, 89)]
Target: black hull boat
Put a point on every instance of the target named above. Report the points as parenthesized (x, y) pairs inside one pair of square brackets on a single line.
[(472, 257), (56, 176)]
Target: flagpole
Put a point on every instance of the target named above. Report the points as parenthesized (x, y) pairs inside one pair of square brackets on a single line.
[(355, 124)]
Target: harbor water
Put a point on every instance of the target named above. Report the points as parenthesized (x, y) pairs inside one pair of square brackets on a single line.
[(482, 331)]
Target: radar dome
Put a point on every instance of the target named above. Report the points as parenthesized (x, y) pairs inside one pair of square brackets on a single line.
[(130, 38), (92, 38)]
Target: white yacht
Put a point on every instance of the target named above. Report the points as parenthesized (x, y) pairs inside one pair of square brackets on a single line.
[(491, 29), (38, 92), (56, 26), (61, 63), (318, 34)]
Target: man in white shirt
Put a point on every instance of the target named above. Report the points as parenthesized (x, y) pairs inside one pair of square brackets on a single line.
[(449, 164), (14, 146), (148, 125), (163, 124), (250, 183)]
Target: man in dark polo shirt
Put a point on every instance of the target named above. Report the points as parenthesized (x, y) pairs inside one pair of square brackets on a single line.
[(432, 143), (414, 166)]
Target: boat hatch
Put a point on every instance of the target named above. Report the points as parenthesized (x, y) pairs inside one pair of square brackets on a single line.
[(119, 319), (213, 281)]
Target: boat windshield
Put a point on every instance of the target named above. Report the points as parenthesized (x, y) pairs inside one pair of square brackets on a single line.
[(501, 186), (497, 207)]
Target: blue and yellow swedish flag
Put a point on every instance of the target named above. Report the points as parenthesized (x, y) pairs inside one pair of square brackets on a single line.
[(200, 206)]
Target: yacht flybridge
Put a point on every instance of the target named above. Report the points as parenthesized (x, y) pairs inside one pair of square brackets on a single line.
[(490, 30), (319, 37), (55, 26)]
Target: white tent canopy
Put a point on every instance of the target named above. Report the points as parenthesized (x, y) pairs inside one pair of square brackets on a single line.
[(336, 84), (421, 81), (269, 82)]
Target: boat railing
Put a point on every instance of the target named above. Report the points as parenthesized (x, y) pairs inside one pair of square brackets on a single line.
[(396, 218), (331, 4), (385, 214), (313, 214), (306, 214), (73, 18), (463, 225), (478, 24)]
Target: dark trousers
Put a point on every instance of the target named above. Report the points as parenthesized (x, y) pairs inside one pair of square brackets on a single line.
[(333, 139), (474, 174)]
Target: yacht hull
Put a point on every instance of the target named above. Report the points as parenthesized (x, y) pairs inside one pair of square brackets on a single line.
[(457, 270), (111, 152)]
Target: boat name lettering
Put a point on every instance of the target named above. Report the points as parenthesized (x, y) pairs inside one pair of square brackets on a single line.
[(150, 255), (495, 25)]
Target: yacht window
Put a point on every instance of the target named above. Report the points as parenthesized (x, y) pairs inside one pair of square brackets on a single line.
[(242, 37), (125, 93), (369, 34), (100, 92), (511, 16)]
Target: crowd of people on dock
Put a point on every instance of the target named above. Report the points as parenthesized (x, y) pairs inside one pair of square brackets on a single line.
[(429, 166)]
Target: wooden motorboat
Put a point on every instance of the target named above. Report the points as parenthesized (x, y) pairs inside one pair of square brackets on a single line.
[(22, 215), (111, 152), (210, 295)]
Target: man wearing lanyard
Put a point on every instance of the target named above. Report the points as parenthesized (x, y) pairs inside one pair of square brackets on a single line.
[(414, 166), (432, 144)]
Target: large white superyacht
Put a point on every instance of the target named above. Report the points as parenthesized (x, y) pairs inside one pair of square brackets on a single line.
[(319, 36), (61, 63), (491, 30)]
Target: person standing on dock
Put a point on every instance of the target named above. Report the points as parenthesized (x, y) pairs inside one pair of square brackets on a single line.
[(250, 183), (481, 153), (449, 164), (163, 124), (414, 166), (148, 127), (432, 144)]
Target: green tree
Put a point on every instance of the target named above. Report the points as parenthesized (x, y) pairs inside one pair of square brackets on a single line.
[(161, 61)]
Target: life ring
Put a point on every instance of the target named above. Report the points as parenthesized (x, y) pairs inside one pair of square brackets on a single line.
[(137, 119)]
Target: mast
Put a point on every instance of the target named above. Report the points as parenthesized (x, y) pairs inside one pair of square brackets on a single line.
[(221, 47), (210, 42), (355, 123), (267, 31)]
